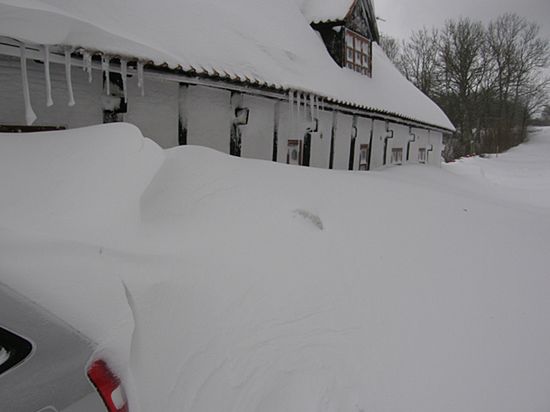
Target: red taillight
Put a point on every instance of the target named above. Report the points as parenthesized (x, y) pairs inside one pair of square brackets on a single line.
[(109, 387)]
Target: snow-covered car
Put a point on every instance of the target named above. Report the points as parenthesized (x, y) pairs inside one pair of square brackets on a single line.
[(48, 366)]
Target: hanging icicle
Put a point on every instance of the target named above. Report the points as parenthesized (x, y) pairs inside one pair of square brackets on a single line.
[(298, 107), (105, 68), (141, 83), (68, 76), (290, 112), (124, 75), (49, 100), (316, 106), (30, 116), (87, 65), (312, 107)]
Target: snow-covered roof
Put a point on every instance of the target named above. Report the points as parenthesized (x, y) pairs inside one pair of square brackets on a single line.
[(323, 10), (261, 41)]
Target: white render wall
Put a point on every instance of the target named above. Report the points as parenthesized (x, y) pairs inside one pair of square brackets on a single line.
[(320, 140), (364, 128), (209, 117), (86, 112), (290, 127), (377, 151), (156, 113), (209, 113), (422, 141), (257, 135), (342, 141), (436, 139)]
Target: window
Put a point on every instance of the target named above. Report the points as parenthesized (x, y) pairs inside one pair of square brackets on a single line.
[(422, 155), (397, 155), (294, 152), (13, 350), (364, 157), (357, 53)]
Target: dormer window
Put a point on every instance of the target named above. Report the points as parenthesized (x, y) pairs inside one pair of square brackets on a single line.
[(357, 53)]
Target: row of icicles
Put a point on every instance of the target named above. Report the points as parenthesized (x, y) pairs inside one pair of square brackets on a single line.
[(30, 115), (296, 114), (295, 98)]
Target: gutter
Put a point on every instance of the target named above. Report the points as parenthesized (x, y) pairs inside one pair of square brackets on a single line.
[(10, 47)]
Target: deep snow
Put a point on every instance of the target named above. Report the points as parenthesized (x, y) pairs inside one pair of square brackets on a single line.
[(263, 287)]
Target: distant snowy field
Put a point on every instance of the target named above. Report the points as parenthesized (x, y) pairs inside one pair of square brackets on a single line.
[(254, 286)]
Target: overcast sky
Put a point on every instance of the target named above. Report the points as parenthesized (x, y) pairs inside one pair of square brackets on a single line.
[(403, 16)]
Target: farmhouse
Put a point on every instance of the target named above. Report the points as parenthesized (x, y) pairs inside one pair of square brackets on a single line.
[(301, 82)]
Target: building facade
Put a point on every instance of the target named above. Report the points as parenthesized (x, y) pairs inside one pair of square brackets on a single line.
[(56, 86)]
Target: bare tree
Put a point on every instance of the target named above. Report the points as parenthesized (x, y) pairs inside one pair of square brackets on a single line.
[(419, 60), (390, 45), (462, 51)]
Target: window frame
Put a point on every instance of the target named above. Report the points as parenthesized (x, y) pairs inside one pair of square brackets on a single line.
[(422, 158), (361, 60), (396, 155)]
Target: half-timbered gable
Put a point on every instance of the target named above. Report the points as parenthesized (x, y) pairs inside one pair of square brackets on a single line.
[(348, 29)]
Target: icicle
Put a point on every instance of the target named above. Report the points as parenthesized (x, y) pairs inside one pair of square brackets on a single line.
[(30, 116), (311, 107), (298, 106), (87, 65), (290, 113), (124, 75), (68, 76), (49, 101), (141, 83), (316, 106), (105, 68)]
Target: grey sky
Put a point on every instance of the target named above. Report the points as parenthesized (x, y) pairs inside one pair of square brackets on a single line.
[(403, 16)]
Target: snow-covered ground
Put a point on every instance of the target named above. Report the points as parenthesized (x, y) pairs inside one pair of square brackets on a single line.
[(255, 286)]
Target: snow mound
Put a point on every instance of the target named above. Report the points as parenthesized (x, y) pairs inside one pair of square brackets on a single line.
[(83, 181), (425, 290)]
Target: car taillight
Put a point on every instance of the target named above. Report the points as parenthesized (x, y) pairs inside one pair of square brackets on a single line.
[(109, 387)]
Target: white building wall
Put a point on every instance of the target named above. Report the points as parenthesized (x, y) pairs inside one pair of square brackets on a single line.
[(342, 141), (257, 135), (320, 141), (377, 151), (400, 139), (290, 127), (156, 113), (86, 112), (436, 139), (364, 128), (422, 137), (209, 117)]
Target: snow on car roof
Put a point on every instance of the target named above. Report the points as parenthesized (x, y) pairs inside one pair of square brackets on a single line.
[(265, 42)]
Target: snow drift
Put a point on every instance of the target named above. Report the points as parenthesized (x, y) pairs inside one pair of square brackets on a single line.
[(264, 287)]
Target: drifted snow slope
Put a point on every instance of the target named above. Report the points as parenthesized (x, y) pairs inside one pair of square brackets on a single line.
[(263, 287)]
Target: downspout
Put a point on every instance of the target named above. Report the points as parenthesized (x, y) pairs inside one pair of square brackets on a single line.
[(409, 143), (431, 149), (389, 136), (370, 145)]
